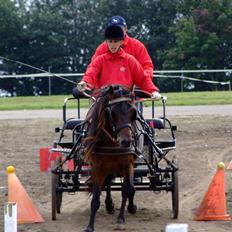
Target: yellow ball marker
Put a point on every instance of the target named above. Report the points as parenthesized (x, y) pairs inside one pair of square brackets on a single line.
[(221, 165), (10, 169)]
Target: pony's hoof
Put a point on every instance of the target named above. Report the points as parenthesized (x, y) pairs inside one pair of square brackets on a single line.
[(110, 208), (120, 226), (88, 229), (132, 209)]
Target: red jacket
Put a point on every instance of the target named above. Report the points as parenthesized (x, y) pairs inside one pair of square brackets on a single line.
[(133, 47), (120, 69)]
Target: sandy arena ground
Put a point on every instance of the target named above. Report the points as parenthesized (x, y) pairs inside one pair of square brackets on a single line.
[(202, 142)]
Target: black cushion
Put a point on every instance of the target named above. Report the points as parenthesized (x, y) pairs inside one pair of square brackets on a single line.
[(72, 123), (157, 123)]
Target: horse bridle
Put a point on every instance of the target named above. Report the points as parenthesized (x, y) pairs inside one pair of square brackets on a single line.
[(112, 103)]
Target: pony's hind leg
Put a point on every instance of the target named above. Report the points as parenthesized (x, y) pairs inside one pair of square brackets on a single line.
[(109, 204), (127, 192), (95, 204)]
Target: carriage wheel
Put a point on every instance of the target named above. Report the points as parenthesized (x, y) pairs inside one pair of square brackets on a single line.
[(175, 193), (56, 196)]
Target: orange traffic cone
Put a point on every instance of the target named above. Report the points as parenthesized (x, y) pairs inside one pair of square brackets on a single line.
[(213, 206), (26, 211), (230, 165)]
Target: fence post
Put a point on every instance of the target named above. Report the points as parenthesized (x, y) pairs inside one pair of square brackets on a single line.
[(49, 81), (182, 82)]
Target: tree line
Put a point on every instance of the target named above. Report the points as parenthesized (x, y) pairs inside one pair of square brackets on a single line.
[(62, 35)]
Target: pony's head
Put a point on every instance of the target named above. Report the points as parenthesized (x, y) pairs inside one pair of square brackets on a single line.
[(113, 114), (120, 114)]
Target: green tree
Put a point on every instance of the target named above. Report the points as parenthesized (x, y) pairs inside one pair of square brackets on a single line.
[(203, 36), (62, 35), (11, 30)]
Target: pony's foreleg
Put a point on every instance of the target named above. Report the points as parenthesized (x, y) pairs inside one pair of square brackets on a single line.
[(132, 208), (127, 191), (95, 204), (108, 201)]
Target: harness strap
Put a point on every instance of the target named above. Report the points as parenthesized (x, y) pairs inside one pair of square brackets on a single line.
[(123, 126), (112, 151), (117, 100), (109, 135)]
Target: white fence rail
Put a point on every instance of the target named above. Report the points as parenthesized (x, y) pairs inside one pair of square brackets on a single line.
[(157, 74)]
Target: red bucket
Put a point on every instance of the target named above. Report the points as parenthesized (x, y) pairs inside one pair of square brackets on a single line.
[(70, 165), (46, 156)]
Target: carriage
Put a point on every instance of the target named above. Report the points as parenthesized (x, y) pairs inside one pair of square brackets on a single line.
[(154, 138)]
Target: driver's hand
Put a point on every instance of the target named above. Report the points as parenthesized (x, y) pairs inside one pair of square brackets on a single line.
[(81, 86), (155, 95)]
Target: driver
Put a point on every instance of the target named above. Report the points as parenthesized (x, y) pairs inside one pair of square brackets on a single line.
[(130, 45), (116, 67)]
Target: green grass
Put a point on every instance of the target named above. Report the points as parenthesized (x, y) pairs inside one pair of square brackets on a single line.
[(38, 102), (200, 98), (174, 99)]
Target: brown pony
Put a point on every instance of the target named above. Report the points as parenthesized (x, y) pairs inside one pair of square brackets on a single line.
[(108, 149)]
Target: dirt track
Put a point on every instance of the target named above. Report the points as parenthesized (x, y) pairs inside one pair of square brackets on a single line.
[(202, 142)]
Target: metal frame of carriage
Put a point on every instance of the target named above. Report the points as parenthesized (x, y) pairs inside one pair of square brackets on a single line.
[(153, 171)]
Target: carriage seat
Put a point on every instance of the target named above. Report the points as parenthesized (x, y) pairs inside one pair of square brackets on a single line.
[(157, 123), (72, 123)]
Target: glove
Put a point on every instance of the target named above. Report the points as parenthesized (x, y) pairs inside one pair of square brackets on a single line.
[(81, 86), (155, 95)]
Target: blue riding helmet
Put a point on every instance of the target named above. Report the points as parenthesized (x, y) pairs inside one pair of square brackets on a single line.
[(118, 20)]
